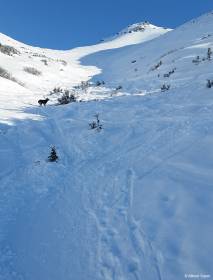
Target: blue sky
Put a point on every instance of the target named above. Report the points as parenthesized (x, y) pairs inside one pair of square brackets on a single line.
[(64, 24)]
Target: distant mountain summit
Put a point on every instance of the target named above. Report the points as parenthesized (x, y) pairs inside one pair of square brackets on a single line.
[(137, 28)]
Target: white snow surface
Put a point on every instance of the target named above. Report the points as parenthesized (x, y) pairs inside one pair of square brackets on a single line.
[(131, 202)]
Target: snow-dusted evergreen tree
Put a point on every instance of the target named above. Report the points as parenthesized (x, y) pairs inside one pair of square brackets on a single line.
[(209, 54), (209, 83), (53, 155)]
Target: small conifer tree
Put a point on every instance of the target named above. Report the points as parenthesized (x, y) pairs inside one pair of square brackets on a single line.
[(209, 83), (209, 54), (53, 157)]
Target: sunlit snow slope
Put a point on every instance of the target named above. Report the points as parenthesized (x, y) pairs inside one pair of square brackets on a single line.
[(57, 68), (132, 201)]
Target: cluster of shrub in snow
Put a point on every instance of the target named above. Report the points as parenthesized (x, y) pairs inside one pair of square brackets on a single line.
[(67, 97), (165, 87), (44, 61), (8, 50), (167, 75), (198, 59), (32, 70), (7, 75), (155, 67)]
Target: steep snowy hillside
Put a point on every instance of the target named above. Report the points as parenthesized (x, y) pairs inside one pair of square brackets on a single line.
[(132, 197), (138, 68), (35, 72)]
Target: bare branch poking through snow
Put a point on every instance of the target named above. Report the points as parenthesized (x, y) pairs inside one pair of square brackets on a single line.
[(96, 124)]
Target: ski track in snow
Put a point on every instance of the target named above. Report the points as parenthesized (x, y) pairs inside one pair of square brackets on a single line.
[(109, 203), (123, 249)]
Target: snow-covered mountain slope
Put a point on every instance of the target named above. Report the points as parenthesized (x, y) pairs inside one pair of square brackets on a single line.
[(131, 201), (136, 67), (54, 68)]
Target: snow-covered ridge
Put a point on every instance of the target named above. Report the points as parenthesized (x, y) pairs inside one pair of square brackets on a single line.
[(173, 50)]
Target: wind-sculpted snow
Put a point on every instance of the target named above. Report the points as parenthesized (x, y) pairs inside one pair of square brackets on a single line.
[(132, 200)]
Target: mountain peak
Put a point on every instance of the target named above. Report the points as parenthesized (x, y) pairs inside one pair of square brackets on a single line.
[(137, 29)]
